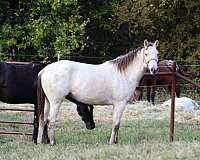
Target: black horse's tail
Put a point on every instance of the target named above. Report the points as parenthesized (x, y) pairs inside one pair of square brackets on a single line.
[(40, 99)]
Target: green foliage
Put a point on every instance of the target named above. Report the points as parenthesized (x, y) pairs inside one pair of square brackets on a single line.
[(46, 28), (176, 24)]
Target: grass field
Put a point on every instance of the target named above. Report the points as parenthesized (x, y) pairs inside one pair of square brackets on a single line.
[(143, 135)]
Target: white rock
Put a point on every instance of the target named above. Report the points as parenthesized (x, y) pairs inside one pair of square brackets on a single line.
[(183, 102)]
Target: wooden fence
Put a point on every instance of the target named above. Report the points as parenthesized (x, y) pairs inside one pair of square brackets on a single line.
[(15, 122), (174, 76)]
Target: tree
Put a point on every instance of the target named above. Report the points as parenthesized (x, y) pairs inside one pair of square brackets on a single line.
[(41, 28), (99, 28), (176, 24)]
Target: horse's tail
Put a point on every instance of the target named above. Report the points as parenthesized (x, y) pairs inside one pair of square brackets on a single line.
[(40, 99)]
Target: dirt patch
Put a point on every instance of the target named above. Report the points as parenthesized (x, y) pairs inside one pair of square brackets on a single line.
[(138, 111)]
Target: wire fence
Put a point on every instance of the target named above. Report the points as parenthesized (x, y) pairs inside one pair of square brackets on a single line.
[(163, 93), (83, 57)]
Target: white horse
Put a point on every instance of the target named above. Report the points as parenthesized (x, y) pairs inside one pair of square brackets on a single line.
[(110, 83)]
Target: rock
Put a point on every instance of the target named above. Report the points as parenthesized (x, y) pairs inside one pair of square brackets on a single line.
[(184, 103)]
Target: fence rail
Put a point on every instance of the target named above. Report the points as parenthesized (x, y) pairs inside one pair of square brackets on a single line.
[(17, 110), (15, 133), (15, 122)]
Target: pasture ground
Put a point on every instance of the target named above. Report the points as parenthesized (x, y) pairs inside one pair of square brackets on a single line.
[(143, 135)]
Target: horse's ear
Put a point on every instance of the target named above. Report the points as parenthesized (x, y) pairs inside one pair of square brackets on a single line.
[(156, 43), (145, 43)]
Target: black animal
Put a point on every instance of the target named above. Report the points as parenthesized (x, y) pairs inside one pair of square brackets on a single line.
[(85, 111), (18, 84)]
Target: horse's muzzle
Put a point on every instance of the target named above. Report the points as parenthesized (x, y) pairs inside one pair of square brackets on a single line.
[(90, 125), (153, 71)]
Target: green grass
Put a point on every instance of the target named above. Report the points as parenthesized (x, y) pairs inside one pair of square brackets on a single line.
[(141, 139)]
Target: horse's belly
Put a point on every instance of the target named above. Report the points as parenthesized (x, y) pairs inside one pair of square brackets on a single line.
[(95, 96), (93, 100)]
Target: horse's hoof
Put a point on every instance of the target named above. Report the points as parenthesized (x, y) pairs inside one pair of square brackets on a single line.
[(46, 141), (53, 143), (34, 141), (38, 143), (110, 143)]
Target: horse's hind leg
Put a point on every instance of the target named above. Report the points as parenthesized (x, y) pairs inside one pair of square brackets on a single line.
[(45, 138), (149, 94), (178, 90), (117, 114), (42, 123), (54, 108), (153, 94)]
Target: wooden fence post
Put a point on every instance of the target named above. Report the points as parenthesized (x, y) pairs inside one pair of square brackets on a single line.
[(173, 91)]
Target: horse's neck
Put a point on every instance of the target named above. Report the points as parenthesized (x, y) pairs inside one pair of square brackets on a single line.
[(136, 70)]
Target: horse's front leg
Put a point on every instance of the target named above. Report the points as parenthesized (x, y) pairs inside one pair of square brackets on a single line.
[(153, 94), (117, 114), (148, 94)]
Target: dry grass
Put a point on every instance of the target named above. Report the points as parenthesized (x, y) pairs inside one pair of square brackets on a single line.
[(137, 111)]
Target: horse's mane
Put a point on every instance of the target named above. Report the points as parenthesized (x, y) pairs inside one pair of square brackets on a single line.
[(123, 61)]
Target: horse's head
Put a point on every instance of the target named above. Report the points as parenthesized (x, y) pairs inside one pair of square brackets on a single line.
[(151, 56), (86, 112)]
